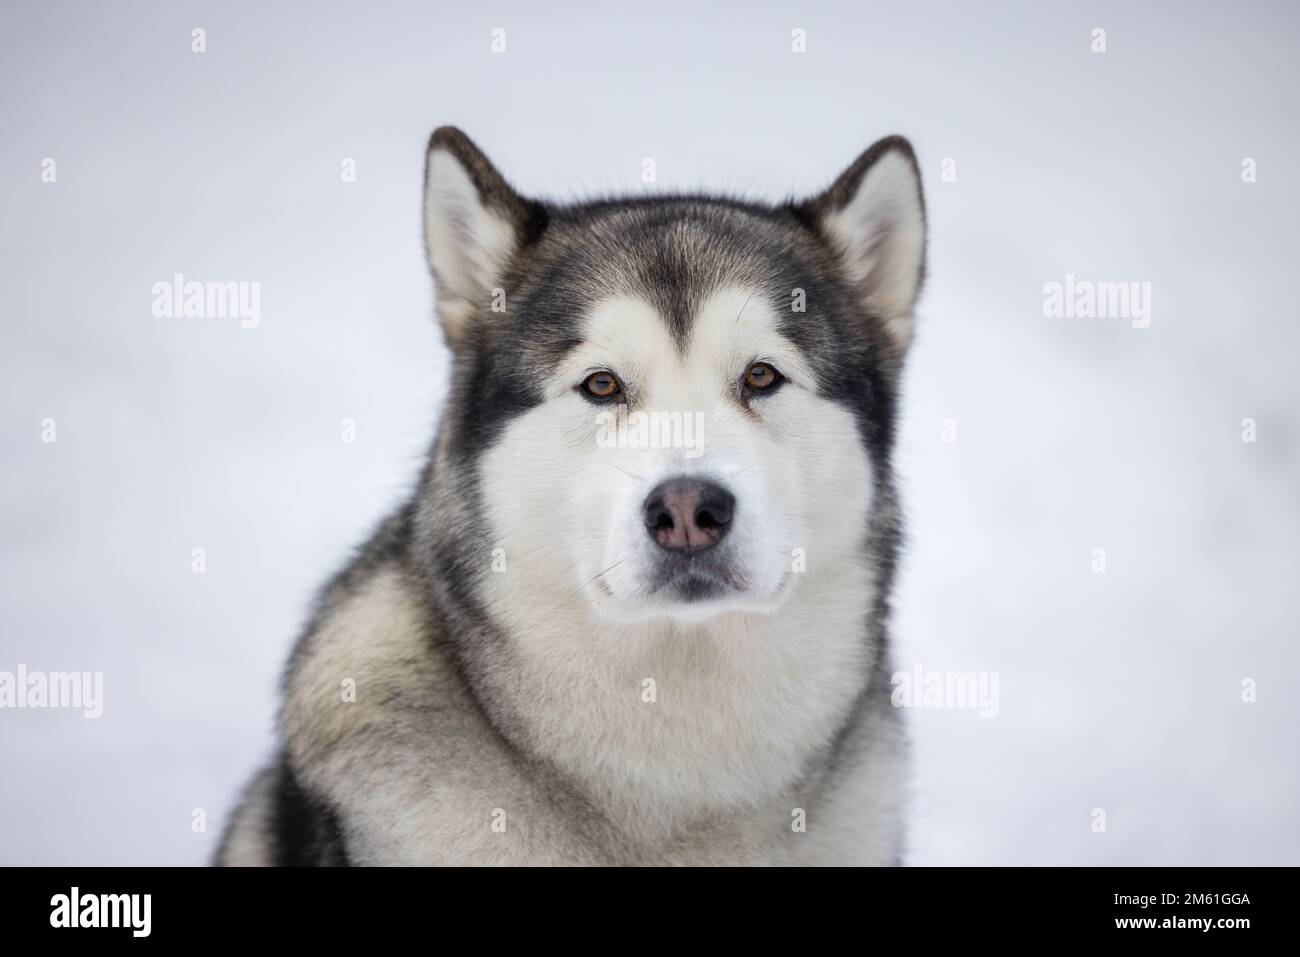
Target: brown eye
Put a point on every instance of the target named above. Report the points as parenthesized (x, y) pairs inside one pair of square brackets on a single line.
[(760, 377), (602, 386)]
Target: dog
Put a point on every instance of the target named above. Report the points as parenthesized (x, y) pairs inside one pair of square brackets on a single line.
[(585, 640)]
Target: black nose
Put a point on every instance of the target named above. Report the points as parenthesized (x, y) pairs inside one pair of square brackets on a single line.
[(688, 515)]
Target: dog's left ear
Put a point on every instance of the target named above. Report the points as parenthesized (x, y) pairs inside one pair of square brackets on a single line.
[(474, 226), (874, 217)]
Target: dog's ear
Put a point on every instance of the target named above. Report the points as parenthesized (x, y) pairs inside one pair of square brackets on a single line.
[(874, 217), (474, 224)]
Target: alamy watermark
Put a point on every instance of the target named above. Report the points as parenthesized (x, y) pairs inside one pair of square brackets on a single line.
[(1085, 299), (56, 689), (621, 429), (919, 688), (129, 911), (179, 299)]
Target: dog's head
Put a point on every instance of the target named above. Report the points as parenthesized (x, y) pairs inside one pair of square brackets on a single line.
[(672, 406)]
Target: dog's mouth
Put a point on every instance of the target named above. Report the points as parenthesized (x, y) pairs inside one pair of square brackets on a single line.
[(695, 578), (692, 586)]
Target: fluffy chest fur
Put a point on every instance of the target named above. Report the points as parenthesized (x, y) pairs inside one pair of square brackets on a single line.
[(735, 753)]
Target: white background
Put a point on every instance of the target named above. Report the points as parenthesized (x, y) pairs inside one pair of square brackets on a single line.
[(1119, 690)]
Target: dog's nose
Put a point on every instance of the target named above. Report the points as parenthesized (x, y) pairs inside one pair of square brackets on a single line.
[(688, 515)]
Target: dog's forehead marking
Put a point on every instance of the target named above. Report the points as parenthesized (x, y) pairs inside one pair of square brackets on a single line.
[(627, 334), (734, 319), (731, 321), (675, 255)]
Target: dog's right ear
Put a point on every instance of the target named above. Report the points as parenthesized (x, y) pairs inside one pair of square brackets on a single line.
[(474, 225)]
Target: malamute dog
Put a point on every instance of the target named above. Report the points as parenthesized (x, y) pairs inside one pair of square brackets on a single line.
[(635, 611)]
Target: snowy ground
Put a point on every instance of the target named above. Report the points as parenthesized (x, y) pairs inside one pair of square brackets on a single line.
[(1119, 690)]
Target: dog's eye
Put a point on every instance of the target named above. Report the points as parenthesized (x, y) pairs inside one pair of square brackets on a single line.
[(761, 377), (602, 387)]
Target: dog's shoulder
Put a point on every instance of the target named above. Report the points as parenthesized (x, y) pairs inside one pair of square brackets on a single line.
[(368, 655)]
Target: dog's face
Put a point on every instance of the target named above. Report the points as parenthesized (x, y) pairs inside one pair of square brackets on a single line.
[(673, 407)]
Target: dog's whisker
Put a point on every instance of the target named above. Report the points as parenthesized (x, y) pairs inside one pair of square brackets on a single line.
[(625, 472), (593, 578)]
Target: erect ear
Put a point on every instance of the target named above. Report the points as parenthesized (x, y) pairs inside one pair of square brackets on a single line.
[(474, 224), (874, 216)]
